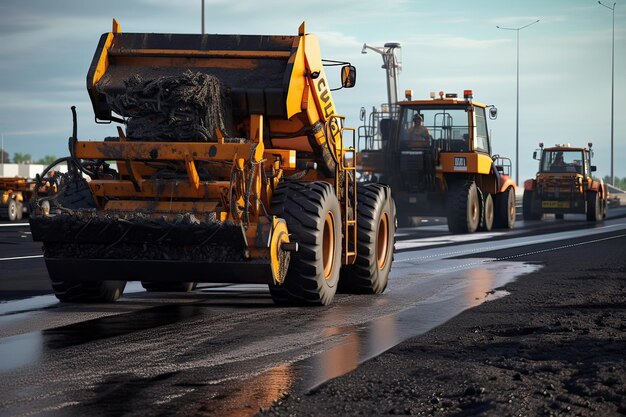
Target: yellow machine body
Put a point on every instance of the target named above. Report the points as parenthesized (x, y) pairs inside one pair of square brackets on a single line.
[(280, 125), (453, 173)]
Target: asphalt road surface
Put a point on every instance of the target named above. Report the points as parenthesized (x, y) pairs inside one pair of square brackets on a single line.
[(226, 349)]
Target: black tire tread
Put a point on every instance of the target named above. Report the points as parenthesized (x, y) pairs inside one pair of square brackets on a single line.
[(364, 277), (527, 208), (484, 227), (594, 209), (457, 201), (302, 205), (501, 219)]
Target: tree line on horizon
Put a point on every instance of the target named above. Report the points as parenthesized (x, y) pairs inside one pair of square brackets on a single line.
[(25, 158)]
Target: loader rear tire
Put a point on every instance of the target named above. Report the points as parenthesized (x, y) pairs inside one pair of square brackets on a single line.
[(68, 291), (486, 222), (505, 209), (311, 211), (375, 242), (594, 209), (527, 207), (168, 286), (463, 207)]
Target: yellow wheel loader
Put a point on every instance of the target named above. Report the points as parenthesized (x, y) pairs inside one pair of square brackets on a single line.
[(436, 156), (564, 185), (228, 164)]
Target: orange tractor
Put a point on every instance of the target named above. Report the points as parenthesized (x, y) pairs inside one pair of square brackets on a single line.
[(229, 164), (564, 185)]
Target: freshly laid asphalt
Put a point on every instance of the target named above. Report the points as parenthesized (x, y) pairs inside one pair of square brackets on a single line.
[(555, 346)]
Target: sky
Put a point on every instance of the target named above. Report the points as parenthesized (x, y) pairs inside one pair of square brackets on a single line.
[(447, 45)]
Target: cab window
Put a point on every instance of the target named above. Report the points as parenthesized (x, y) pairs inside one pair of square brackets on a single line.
[(482, 136)]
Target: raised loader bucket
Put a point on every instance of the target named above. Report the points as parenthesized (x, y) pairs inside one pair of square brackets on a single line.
[(254, 70)]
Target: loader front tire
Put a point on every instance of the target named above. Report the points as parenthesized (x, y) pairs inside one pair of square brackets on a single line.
[(375, 242), (311, 211), (68, 291), (505, 209), (463, 207)]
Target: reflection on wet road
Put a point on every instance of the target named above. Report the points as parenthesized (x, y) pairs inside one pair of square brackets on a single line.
[(226, 350)]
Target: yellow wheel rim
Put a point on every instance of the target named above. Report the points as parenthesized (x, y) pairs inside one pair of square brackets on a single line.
[(382, 241), (328, 245)]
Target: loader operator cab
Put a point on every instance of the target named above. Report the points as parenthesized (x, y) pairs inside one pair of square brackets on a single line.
[(451, 128), (564, 161)]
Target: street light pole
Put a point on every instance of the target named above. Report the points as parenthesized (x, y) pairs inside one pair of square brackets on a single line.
[(612, 9), (517, 106), (203, 17)]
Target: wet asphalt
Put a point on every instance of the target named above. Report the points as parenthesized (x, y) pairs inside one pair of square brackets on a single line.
[(227, 350)]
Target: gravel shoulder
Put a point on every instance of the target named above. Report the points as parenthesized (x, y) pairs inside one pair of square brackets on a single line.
[(555, 346)]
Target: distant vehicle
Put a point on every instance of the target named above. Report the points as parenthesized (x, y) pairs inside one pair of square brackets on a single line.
[(615, 195), (564, 185), (15, 193)]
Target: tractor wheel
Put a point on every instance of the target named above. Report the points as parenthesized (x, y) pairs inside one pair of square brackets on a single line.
[(375, 241), (311, 211), (505, 209), (20, 211), (594, 209), (87, 291), (527, 207), (463, 207), (169, 286), (486, 222), (12, 210)]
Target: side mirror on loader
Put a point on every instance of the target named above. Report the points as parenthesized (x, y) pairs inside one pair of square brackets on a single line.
[(348, 76), (493, 113), (593, 168)]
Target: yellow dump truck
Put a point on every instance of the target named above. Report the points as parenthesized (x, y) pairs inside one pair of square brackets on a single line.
[(230, 164), (15, 193), (564, 184)]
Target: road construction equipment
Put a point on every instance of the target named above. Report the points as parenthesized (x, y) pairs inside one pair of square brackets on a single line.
[(436, 156), (15, 194), (233, 167), (564, 184)]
